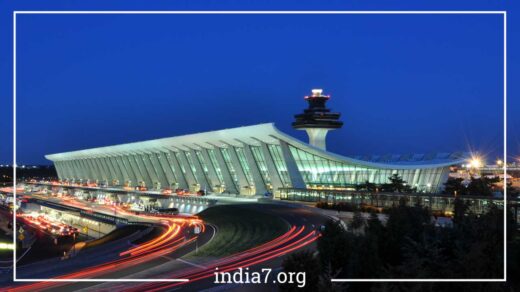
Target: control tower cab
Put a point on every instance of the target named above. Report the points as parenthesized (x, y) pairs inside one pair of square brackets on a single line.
[(317, 119)]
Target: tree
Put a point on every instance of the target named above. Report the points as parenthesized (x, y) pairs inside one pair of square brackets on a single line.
[(374, 225), (404, 223), (371, 187), (334, 247), (357, 221), (397, 184), (512, 192), (302, 262), (366, 186), (454, 186), (460, 208), (409, 245), (482, 186)]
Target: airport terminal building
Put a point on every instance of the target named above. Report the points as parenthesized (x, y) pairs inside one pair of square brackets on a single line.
[(250, 160)]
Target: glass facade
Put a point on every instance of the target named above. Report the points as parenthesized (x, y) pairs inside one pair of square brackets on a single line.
[(443, 203), (252, 167), (318, 171)]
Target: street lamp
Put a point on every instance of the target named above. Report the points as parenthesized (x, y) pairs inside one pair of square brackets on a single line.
[(476, 162)]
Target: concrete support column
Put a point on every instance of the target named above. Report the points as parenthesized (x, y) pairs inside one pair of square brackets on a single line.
[(443, 177), (144, 171), (111, 176), (226, 174), (78, 170), (59, 169), (212, 173), (100, 171), (132, 176), (292, 168), (135, 169), (167, 168), (115, 169), (180, 175), (239, 171), (119, 172), (200, 174), (276, 180), (78, 174), (68, 171), (72, 173), (122, 169), (190, 177), (75, 170), (258, 180), (111, 170), (95, 169), (419, 178), (150, 168), (103, 172), (160, 171), (88, 169)]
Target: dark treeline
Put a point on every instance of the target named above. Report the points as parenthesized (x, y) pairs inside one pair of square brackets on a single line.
[(477, 186), (409, 245), (395, 184), (29, 172)]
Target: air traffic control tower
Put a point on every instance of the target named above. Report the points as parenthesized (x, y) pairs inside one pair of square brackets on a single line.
[(317, 119)]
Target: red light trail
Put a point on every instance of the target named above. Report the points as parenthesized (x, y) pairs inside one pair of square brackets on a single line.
[(172, 239), (166, 243), (294, 239)]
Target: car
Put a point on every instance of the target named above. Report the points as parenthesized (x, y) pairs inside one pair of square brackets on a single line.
[(166, 192)]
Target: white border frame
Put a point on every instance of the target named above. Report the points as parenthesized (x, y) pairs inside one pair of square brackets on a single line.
[(503, 13)]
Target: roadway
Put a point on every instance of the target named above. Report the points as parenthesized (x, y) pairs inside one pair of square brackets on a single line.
[(176, 240), (301, 235), (163, 259), (305, 223)]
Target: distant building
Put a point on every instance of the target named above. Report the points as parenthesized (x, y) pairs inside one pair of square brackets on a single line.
[(251, 160)]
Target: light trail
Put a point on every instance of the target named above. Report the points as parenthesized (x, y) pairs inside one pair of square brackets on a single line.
[(288, 242), (169, 241), (172, 239), (258, 260), (46, 224)]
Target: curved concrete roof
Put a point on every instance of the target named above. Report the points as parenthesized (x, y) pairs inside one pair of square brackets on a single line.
[(254, 135)]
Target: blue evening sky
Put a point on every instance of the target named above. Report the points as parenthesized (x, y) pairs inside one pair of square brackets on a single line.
[(403, 83)]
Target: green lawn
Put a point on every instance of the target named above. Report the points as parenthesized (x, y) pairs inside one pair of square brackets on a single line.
[(239, 228)]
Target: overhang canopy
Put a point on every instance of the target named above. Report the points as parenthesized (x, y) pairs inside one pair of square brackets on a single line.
[(255, 135)]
